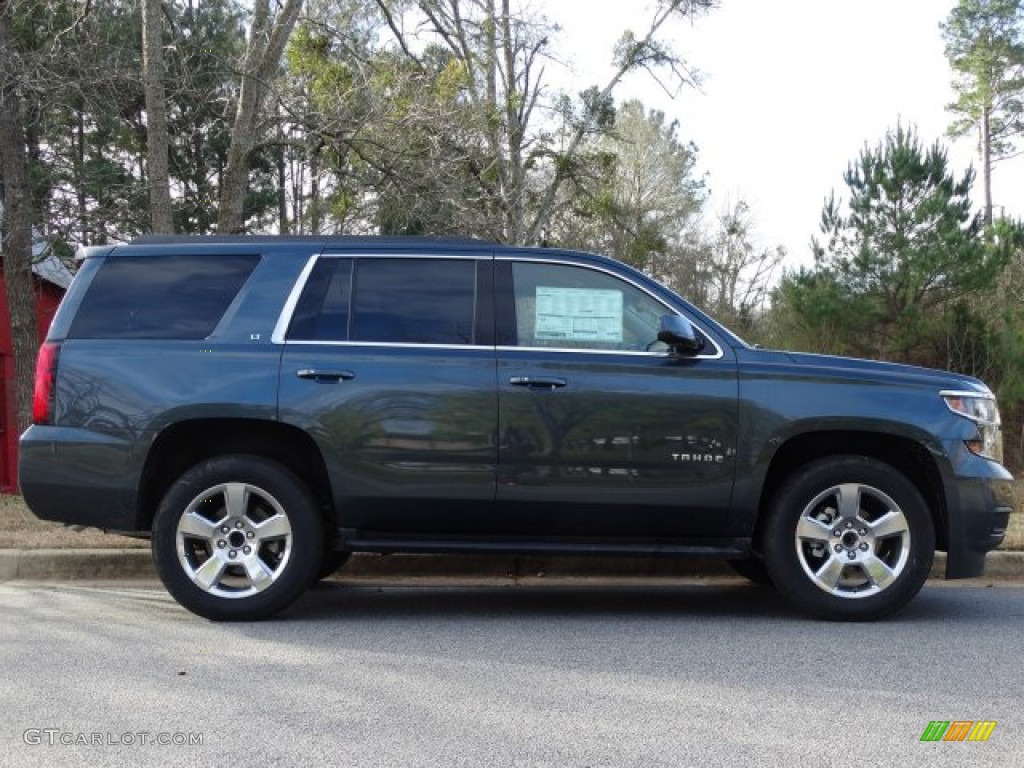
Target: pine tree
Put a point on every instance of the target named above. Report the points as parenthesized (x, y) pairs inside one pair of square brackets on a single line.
[(985, 47), (897, 258)]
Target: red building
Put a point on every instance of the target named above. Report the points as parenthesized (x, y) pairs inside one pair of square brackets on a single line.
[(51, 280)]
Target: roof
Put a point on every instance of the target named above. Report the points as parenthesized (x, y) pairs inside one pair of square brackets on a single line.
[(48, 267), (169, 245), (383, 240)]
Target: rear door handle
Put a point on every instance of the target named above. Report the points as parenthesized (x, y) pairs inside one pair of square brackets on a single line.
[(324, 376), (538, 382)]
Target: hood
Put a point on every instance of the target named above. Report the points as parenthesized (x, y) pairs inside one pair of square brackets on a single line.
[(864, 370)]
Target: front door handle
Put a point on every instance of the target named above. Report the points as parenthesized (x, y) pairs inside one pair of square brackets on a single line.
[(324, 376), (538, 382)]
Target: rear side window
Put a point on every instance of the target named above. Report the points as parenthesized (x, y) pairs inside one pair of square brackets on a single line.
[(322, 311), (160, 297), (388, 300)]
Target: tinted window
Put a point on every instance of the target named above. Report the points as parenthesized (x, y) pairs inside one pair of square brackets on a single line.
[(160, 297), (414, 301), (578, 308), (322, 311)]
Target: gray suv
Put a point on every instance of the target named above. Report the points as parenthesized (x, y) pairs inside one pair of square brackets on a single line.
[(263, 406)]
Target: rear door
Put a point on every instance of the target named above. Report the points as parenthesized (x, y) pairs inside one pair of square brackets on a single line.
[(389, 364)]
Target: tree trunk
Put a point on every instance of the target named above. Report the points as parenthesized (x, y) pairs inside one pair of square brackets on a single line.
[(492, 109), (262, 58), (17, 228), (156, 118), (515, 178), (986, 161), (83, 212), (314, 188), (282, 189)]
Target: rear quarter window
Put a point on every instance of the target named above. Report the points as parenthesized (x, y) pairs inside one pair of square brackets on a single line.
[(160, 297)]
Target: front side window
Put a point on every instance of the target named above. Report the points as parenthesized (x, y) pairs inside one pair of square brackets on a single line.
[(388, 300), (578, 308)]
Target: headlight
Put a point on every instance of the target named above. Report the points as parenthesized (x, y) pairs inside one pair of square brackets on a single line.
[(982, 410)]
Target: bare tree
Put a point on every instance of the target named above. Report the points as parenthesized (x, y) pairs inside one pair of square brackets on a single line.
[(633, 54), (267, 39), (740, 275), (725, 273), (502, 54)]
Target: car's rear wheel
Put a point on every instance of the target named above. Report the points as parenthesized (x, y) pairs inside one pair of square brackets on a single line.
[(849, 538), (237, 537)]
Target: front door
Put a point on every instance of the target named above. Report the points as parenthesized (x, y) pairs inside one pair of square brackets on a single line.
[(603, 433)]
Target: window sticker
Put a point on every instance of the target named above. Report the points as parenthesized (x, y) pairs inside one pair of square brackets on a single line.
[(578, 314)]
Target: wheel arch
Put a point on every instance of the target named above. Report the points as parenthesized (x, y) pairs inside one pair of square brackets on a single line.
[(184, 444), (904, 454)]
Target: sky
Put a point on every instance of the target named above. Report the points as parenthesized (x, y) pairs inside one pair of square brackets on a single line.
[(791, 91)]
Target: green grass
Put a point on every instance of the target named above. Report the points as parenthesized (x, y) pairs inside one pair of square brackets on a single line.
[(20, 529)]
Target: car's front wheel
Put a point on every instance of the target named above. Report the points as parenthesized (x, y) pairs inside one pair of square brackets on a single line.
[(237, 537), (849, 538)]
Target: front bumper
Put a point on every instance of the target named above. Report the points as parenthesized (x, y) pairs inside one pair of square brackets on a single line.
[(979, 500)]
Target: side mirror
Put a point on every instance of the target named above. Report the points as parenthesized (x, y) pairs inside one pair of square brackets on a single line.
[(678, 333)]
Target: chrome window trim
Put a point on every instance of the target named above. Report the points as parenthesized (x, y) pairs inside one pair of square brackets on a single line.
[(578, 351), (285, 318), (443, 257), (409, 345), (717, 355), (388, 344)]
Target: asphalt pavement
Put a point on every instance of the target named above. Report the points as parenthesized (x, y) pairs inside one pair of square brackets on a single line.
[(544, 673)]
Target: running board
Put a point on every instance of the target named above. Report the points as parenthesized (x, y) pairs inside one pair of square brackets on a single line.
[(373, 541)]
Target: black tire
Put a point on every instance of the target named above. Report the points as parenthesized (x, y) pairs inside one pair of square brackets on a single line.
[(237, 538), (848, 538), (752, 569), (332, 562)]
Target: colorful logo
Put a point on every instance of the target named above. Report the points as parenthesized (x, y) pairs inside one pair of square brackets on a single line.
[(958, 730)]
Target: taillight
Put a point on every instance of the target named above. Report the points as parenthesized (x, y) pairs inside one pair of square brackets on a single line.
[(46, 379)]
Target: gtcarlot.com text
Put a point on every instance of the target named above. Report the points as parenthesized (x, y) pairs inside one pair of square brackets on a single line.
[(60, 737)]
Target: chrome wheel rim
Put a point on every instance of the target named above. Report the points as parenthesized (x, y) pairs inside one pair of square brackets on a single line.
[(234, 540), (853, 541)]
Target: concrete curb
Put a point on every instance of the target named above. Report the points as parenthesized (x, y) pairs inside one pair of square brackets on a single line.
[(93, 564)]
